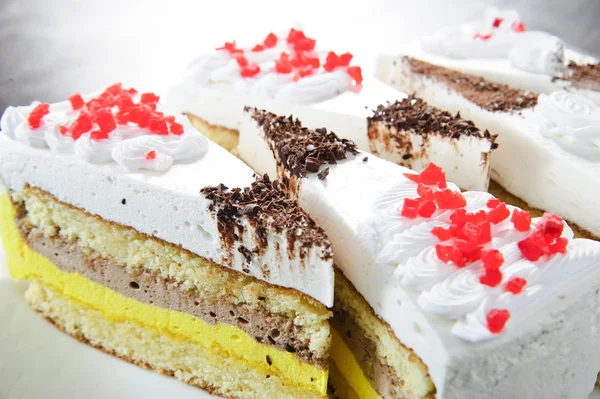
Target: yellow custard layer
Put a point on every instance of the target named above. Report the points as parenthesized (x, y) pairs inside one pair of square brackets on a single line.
[(221, 340), (347, 368)]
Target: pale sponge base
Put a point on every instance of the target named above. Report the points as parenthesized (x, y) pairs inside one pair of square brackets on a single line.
[(226, 138), (145, 347)]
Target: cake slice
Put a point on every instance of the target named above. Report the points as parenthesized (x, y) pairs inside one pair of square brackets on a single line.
[(121, 218), (548, 144), (498, 47), (288, 74), (412, 133), (440, 293)]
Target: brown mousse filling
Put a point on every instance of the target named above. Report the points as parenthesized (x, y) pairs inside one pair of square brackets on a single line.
[(493, 97), (382, 377), (149, 287), (416, 116)]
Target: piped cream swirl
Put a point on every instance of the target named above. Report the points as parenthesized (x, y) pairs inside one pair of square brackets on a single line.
[(571, 121)]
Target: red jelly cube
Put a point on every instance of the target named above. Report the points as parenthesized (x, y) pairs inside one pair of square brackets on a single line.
[(413, 176), (105, 120), (427, 209), (441, 233), (497, 22), (425, 192), (448, 199), (35, 116), (498, 214), (493, 202), (491, 277), (356, 74), (560, 246), (496, 320), (492, 259), (63, 130), (270, 41), (148, 98), (530, 250), (176, 128), (331, 62), (305, 44), (518, 27), (150, 155), (258, 48), (515, 285), (344, 59), (250, 70), (97, 135), (521, 220), (158, 126), (431, 174), (410, 208), (81, 125), (551, 226), (76, 101)]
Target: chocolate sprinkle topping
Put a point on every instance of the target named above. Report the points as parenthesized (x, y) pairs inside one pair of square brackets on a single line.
[(302, 150), (266, 208), (583, 76), (323, 174), (493, 97), (414, 114)]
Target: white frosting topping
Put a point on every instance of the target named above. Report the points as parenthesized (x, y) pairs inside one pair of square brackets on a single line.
[(494, 36), (571, 121), (162, 195), (456, 293), (124, 145), (221, 70)]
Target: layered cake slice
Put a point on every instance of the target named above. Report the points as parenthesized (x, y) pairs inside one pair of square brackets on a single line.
[(413, 134), (121, 218), (499, 48), (439, 293), (289, 75), (549, 145)]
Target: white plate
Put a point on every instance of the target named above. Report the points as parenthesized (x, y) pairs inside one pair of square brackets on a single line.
[(38, 361)]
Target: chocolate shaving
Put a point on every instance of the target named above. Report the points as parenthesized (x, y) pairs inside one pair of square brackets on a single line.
[(267, 208), (323, 174), (302, 150), (493, 97), (415, 115), (582, 76)]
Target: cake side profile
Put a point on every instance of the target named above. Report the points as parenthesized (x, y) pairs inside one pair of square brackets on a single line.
[(498, 47), (289, 74), (120, 217), (412, 133), (554, 138), (456, 294)]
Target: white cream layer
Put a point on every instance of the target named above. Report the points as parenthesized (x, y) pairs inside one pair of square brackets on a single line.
[(167, 205), (552, 353), (527, 164), (498, 70)]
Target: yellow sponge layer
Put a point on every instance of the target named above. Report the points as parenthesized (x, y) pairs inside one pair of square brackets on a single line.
[(221, 340), (344, 363)]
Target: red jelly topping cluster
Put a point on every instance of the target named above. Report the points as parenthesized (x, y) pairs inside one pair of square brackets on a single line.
[(545, 239), (516, 27), (301, 60), (115, 106), (468, 237)]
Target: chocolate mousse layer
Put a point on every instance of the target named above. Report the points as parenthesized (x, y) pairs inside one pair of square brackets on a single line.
[(494, 97), (149, 287)]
